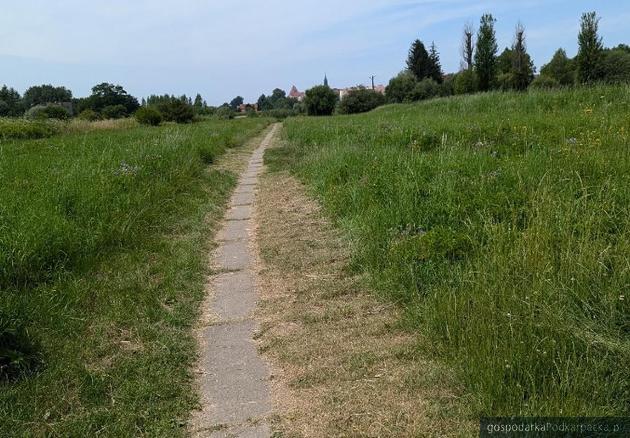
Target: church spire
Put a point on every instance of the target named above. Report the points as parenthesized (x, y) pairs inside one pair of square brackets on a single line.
[(325, 80)]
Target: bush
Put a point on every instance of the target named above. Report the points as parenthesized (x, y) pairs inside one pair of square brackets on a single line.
[(400, 87), (89, 115), (280, 113), (24, 129), (615, 66), (360, 100), (224, 113), (320, 101), (544, 82), (176, 110), (505, 81), (465, 82), (425, 89), (148, 116), (52, 111), (114, 112)]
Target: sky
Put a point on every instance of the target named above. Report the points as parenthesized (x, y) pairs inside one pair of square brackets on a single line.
[(225, 48)]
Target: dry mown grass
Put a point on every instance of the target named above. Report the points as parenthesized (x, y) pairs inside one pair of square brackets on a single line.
[(342, 365)]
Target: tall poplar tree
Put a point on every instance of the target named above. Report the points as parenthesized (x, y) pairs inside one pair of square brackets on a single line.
[(486, 53), (522, 65), (590, 51)]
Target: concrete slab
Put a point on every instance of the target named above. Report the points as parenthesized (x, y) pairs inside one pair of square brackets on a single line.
[(247, 431), (239, 212), (243, 198), (249, 180), (234, 295), (234, 230), (236, 378), (232, 255)]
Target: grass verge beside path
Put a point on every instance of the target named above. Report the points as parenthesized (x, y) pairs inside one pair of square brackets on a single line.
[(104, 251), (342, 364), (501, 223)]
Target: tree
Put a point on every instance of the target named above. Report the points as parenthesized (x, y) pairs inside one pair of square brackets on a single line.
[(360, 100), (504, 61), (468, 48), (320, 101), (10, 102), (522, 70), (400, 87), (590, 50), (198, 102), (560, 68), (486, 53), (106, 94), (418, 60), (435, 69), (43, 94), (264, 104), (236, 102), (615, 65)]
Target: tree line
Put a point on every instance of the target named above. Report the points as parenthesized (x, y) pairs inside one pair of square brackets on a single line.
[(484, 69), (106, 101)]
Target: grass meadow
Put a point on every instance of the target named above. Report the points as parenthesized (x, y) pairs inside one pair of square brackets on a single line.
[(501, 223), (103, 244)]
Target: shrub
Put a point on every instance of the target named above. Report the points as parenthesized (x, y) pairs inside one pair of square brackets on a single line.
[(425, 89), (360, 100), (148, 116), (24, 129), (114, 112), (89, 115), (400, 87), (544, 82), (280, 113), (224, 113), (320, 101), (505, 81), (465, 82), (52, 111), (174, 109), (615, 66)]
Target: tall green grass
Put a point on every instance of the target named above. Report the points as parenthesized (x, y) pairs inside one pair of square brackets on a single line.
[(103, 239), (502, 223)]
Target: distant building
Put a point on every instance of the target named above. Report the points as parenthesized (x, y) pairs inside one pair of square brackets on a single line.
[(295, 94), (244, 107)]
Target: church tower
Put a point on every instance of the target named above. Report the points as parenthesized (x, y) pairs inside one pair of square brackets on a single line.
[(325, 80)]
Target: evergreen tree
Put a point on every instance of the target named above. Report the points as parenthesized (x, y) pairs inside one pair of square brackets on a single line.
[(522, 66), (468, 48), (590, 51), (198, 101), (435, 69), (560, 68), (486, 53), (418, 60)]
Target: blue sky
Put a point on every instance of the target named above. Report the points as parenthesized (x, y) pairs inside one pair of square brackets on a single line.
[(223, 48)]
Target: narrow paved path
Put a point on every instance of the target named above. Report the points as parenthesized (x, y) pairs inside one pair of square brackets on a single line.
[(235, 380)]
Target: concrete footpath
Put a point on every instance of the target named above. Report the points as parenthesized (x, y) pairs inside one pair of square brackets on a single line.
[(234, 381)]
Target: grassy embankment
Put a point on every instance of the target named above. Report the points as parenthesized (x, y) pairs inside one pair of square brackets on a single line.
[(501, 222), (103, 243)]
